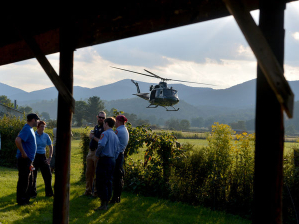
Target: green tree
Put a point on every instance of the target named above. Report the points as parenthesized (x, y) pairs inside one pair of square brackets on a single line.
[(94, 106), (197, 122), (45, 116), (238, 125), (80, 112), (26, 110), (172, 124), (184, 124), (7, 102)]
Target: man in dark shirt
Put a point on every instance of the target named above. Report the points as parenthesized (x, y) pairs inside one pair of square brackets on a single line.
[(26, 144), (91, 160)]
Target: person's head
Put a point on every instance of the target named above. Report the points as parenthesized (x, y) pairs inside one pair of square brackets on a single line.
[(120, 120), (109, 123), (41, 126), (32, 119), (101, 117)]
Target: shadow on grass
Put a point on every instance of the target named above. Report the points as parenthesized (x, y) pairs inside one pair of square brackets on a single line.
[(132, 209), (135, 209)]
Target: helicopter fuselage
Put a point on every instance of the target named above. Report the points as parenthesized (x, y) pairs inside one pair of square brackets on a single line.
[(163, 96)]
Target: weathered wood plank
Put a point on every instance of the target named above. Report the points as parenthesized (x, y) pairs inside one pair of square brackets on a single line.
[(261, 49), (64, 121), (46, 65)]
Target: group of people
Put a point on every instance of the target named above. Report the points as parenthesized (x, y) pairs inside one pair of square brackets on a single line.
[(31, 156), (105, 159)]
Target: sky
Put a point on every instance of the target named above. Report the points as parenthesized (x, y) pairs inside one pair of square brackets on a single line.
[(213, 52)]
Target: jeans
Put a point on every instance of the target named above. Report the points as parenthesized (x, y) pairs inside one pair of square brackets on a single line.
[(40, 162), (118, 178), (24, 186), (104, 178)]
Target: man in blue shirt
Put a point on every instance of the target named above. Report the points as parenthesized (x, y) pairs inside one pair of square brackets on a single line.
[(26, 144), (119, 172), (41, 162), (106, 152)]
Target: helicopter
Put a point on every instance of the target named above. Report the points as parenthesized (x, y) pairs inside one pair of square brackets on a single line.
[(161, 94)]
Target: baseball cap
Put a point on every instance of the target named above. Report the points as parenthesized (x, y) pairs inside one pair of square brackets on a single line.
[(32, 116), (121, 118)]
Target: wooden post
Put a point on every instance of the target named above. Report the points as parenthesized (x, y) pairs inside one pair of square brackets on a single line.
[(64, 120), (269, 126)]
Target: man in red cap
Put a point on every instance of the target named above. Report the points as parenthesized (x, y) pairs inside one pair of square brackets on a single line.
[(119, 172)]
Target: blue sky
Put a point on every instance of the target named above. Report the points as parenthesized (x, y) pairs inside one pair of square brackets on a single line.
[(213, 52)]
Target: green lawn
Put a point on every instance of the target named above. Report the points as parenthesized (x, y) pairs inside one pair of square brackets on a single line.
[(132, 209)]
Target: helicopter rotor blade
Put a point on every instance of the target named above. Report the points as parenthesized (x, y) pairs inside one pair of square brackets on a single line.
[(176, 80), (191, 82), (164, 79), (153, 74), (134, 72)]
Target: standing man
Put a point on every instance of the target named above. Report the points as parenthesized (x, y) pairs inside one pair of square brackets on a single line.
[(26, 144), (119, 172), (106, 152), (91, 159), (41, 162)]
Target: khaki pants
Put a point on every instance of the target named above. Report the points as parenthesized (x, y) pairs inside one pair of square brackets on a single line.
[(91, 165)]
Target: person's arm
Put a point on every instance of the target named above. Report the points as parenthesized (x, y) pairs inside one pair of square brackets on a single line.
[(18, 142), (50, 154), (92, 137), (101, 144)]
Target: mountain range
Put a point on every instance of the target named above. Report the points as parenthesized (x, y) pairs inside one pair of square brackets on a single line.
[(194, 101)]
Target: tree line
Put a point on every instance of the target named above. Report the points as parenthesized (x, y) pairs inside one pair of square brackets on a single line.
[(86, 111)]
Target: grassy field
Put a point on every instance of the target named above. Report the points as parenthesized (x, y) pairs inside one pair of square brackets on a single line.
[(132, 209)]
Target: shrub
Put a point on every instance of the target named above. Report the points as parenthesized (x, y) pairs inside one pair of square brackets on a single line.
[(84, 145), (10, 126)]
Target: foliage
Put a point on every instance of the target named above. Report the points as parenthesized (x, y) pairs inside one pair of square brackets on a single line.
[(238, 125), (84, 145), (45, 116), (5, 101), (9, 129), (197, 122), (80, 112), (219, 175), (51, 124), (94, 106), (25, 109)]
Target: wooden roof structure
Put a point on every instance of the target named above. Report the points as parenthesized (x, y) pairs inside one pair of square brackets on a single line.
[(34, 36)]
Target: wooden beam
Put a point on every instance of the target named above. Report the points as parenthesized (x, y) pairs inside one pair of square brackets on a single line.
[(267, 61), (43, 61), (64, 121), (269, 143)]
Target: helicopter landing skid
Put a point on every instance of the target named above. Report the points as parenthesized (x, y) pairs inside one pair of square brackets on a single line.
[(171, 110), (153, 106)]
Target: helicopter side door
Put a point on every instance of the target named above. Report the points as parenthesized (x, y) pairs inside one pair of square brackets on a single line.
[(159, 93)]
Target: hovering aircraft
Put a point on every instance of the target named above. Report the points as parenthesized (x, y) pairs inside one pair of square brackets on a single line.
[(161, 94)]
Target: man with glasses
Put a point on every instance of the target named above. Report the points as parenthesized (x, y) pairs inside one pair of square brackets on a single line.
[(91, 159), (26, 144)]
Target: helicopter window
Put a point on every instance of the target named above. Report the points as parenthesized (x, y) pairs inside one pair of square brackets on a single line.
[(161, 92)]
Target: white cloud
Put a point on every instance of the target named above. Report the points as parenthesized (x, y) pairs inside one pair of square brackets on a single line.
[(223, 75), (245, 52), (291, 72), (296, 35)]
